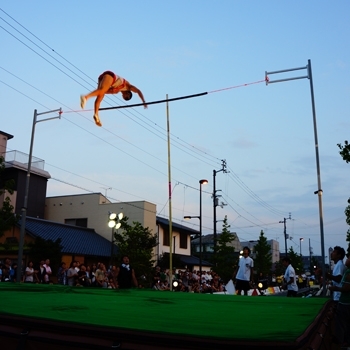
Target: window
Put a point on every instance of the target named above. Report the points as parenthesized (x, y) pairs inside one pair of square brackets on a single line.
[(183, 240), (209, 248), (76, 222), (166, 237)]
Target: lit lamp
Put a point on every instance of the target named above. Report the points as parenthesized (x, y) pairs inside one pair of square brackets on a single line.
[(262, 286), (300, 239), (114, 223), (201, 182)]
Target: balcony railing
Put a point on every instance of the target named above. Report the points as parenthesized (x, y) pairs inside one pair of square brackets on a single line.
[(23, 158)]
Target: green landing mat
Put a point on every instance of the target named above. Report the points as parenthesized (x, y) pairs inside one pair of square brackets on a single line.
[(255, 318)]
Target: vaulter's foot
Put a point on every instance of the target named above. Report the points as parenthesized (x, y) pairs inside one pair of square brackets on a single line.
[(82, 101), (97, 120)]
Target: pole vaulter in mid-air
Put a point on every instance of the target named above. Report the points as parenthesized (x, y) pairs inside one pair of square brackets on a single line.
[(110, 83)]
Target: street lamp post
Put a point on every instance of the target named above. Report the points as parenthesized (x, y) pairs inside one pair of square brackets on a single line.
[(300, 239), (114, 223), (201, 182)]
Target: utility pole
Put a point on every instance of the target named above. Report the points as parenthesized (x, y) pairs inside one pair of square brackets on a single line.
[(216, 201), (285, 231)]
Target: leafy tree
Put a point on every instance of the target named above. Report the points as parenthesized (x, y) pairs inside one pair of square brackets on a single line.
[(263, 258), (43, 249), (295, 259), (348, 240), (224, 260), (345, 154), (137, 242), (344, 151), (7, 217), (164, 261), (279, 268)]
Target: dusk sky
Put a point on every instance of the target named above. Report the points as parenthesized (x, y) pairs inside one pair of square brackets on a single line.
[(52, 52)]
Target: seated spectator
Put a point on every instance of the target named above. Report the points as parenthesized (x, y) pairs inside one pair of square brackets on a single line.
[(195, 287), (93, 275), (216, 285), (112, 278), (5, 274), (156, 276), (163, 275), (88, 273), (185, 281), (101, 276), (164, 285)]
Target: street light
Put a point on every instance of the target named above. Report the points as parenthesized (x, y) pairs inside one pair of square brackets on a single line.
[(114, 223), (300, 239), (201, 182)]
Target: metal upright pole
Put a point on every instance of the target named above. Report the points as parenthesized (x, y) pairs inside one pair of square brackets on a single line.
[(26, 192), (200, 232), (214, 213), (170, 208), (319, 191), (25, 204)]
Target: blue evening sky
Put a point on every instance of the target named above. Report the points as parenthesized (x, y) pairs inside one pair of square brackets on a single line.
[(51, 52)]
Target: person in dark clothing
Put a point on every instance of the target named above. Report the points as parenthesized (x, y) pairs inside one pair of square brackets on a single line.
[(41, 272), (125, 275)]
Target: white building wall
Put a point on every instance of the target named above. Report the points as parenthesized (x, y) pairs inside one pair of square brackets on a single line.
[(96, 208), (176, 248)]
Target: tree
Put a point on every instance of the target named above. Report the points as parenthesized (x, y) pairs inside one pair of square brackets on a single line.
[(224, 260), (263, 258), (345, 154), (137, 242), (164, 261), (295, 260), (43, 249), (344, 151), (7, 217), (279, 268)]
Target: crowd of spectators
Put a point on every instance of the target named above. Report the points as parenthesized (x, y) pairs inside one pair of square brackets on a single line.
[(188, 281), (76, 274), (97, 275)]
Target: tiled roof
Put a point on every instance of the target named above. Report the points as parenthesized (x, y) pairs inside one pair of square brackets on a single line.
[(165, 222), (74, 239), (210, 238), (192, 260)]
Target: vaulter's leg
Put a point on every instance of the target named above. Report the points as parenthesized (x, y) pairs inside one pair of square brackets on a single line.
[(103, 86)]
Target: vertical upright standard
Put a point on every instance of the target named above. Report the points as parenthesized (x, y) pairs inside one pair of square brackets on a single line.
[(170, 209), (319, 191), (26, 192)]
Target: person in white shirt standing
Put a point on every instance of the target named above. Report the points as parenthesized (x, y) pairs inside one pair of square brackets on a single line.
[(290, 278), (48, 271), (244, 272), (337, 256)]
